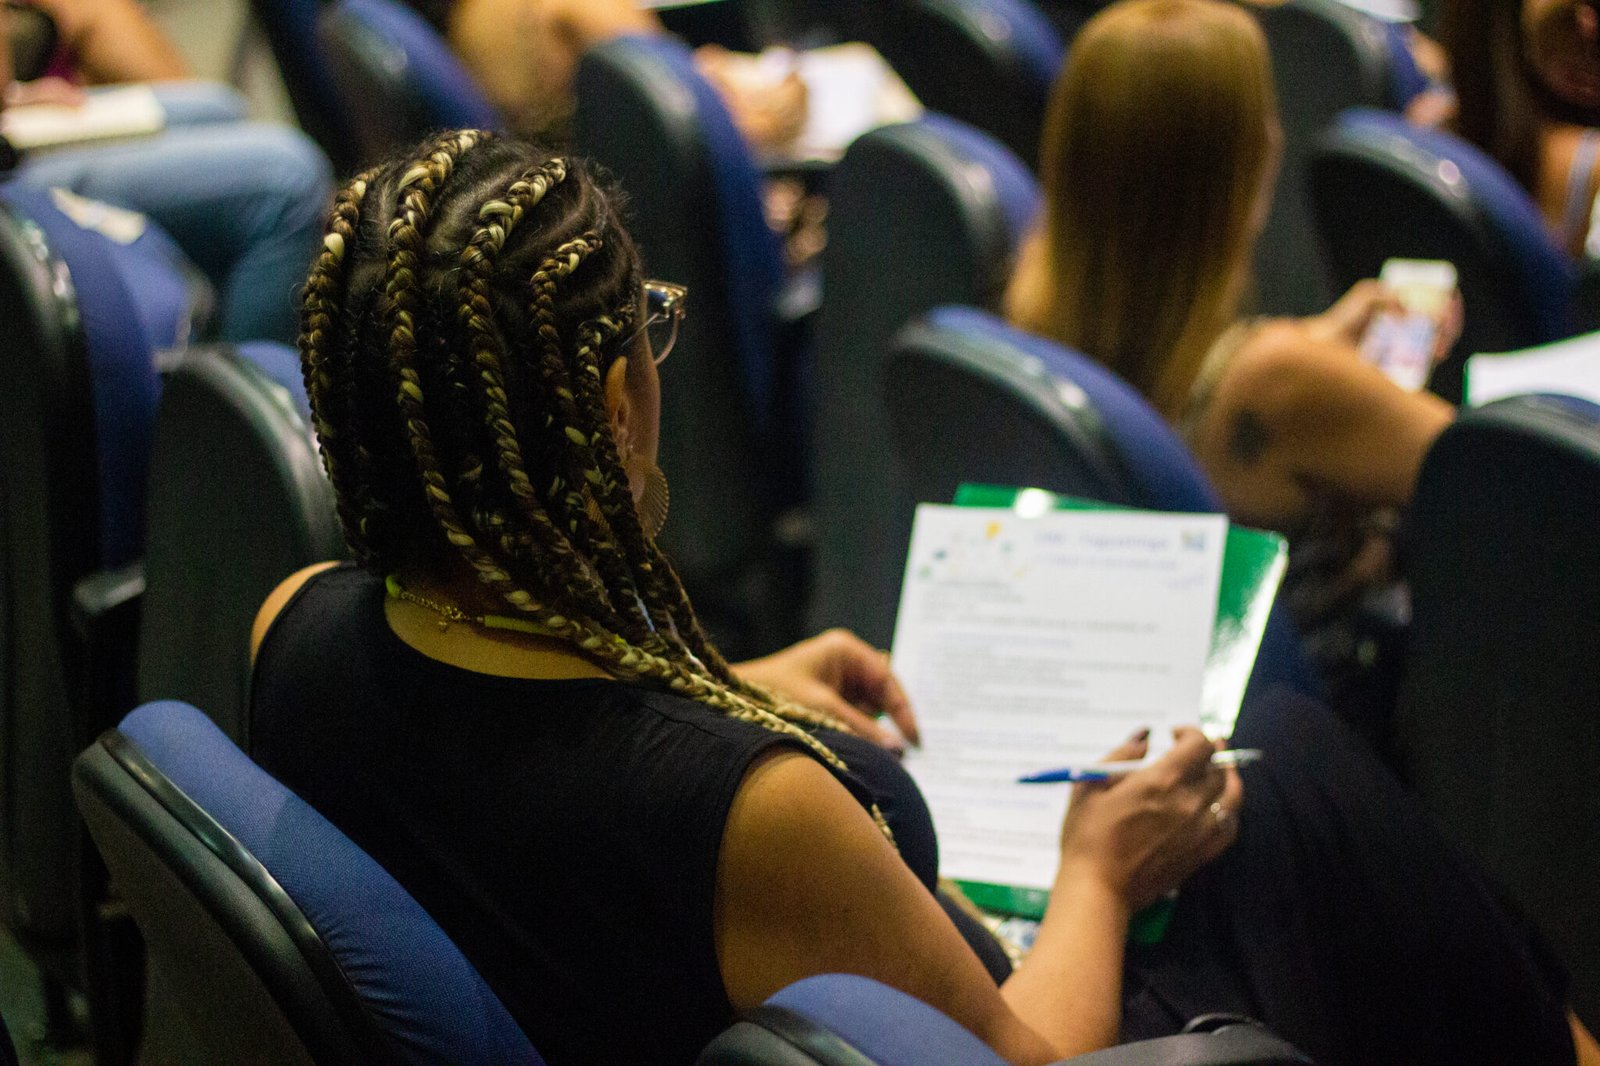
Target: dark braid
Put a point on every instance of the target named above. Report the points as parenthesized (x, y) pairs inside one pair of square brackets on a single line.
[(323, 294), (457, 331)]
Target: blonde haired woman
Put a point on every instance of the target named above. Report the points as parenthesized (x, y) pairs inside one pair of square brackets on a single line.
[(1160, 153)]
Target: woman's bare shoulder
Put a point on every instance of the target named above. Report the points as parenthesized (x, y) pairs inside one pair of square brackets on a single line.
[(279, 597)]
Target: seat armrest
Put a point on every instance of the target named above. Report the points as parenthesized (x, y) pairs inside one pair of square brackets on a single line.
[(105, 615), (106, 598), (1233, 1045)]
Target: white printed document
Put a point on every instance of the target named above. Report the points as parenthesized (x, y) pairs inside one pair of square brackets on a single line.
[(1028, 643), (1568, 368)]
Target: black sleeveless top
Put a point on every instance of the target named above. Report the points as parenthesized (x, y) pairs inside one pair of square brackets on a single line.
[(563, 833)]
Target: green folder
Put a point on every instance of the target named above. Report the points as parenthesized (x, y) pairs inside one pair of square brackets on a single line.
[(1253, 562)]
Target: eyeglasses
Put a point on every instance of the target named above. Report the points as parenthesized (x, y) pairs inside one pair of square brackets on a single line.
[(665, 304)]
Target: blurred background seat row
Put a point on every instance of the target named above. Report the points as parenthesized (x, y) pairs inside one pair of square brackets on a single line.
[(131, 569)]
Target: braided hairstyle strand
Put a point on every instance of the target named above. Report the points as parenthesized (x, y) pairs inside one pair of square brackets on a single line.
[(457, 328)]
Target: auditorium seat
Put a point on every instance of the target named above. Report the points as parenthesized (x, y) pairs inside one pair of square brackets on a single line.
[(394, 77), (695, 210), (290, 27), (1326, 58), (921, 214), (1382, 188), (973, 400), (989, 63), (1498, 726), (280, 941), (275, 937), (238, 501), (846, 1020), (84, 316)]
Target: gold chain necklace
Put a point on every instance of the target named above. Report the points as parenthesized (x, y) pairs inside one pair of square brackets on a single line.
[(449, 613)]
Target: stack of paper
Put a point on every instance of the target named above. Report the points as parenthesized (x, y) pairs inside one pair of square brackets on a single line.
[(1031, 637)]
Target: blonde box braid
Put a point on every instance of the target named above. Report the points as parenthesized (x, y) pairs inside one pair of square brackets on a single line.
[(373, 312), (478, 261)]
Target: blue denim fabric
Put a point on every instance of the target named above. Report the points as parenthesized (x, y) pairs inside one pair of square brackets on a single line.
[(245, 201)]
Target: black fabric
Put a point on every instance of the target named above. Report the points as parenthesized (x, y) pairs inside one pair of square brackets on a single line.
[(1343, 920), (563, 833)]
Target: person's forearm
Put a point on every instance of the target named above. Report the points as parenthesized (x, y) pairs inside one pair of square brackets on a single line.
[(1069, 989), (115, 41)]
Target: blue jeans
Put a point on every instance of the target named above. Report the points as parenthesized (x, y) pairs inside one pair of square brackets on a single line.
[(245, 201)]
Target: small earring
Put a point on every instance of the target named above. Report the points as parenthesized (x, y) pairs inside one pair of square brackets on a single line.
[(655, 502)]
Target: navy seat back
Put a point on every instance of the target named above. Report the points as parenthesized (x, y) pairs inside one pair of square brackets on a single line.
[(920, 214), (283, 941), (1497, 726), (1382, 188), (695, 209), (971, 399), (79, 387), (238, 499), (290, 27), (1326, 58), (989, 63), (395, 78)]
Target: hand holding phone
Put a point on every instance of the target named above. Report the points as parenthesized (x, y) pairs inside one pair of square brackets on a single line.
[(1402, 343)]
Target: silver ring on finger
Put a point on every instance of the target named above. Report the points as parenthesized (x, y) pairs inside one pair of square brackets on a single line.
[(1220, 815)]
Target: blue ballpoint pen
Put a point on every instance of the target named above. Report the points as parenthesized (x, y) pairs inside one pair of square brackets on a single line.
[(1105, 771)]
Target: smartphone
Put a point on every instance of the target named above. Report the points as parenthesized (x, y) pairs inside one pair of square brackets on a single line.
[(1400, 343)]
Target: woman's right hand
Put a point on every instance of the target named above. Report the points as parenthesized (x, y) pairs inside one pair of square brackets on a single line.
[(1143, 834)]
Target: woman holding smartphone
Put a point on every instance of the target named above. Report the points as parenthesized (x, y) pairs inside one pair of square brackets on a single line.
[(1160, 152)]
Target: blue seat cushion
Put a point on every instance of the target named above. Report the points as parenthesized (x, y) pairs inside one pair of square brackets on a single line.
[(888, 1026), (1545, 276), (1406, 79), (433, 75), (133, 297), (1032, 36), (423, 991)]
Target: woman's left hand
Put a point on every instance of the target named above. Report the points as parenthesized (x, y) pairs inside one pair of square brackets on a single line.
[(840, 674), (1347, 320)]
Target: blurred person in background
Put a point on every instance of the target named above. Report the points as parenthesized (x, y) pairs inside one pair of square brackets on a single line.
[(1528, 82), (525, 54), (1160, 154), (243, 200)]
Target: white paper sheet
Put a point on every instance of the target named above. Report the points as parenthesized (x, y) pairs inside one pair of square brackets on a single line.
[(1569, 367), (124, 111), (1032, 643), (850, 89)]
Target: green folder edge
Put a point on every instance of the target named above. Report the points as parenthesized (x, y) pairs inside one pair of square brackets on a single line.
[(1253, 563)]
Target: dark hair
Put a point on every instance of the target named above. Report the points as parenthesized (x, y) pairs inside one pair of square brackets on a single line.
[(456, 330), (1499, 105)]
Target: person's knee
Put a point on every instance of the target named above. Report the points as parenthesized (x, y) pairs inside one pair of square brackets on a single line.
[(296, 168), (200, 103)]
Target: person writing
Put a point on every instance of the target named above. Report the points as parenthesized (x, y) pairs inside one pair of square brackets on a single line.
[(508, 701)]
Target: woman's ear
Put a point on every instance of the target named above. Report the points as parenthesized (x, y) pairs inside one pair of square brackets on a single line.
[(619, 408)]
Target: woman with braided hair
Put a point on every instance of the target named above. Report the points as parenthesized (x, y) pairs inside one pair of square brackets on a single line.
[(508, 702)]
